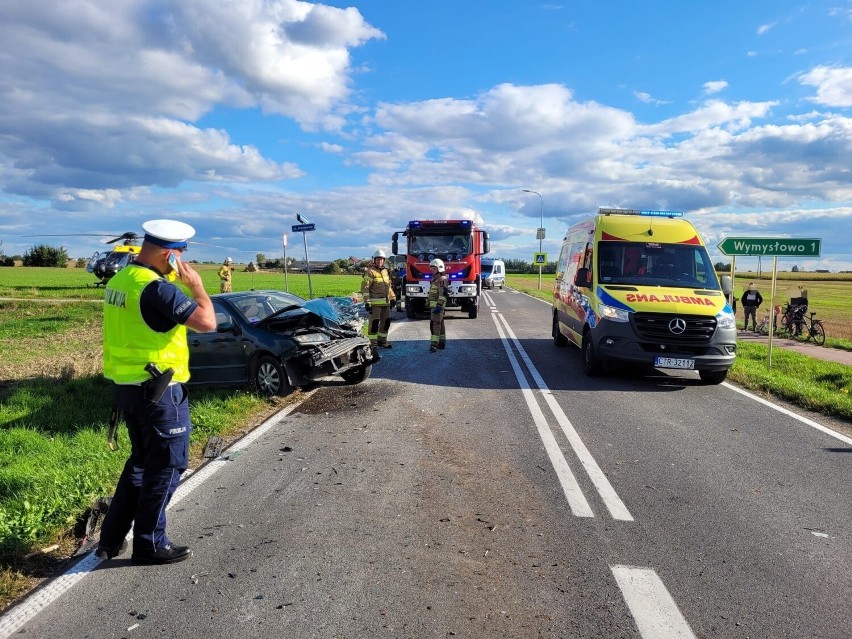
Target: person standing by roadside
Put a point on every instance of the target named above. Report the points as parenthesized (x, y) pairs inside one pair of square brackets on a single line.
[(146, 356), (379, 299), (751, 300), (437, 303), (225, 276)]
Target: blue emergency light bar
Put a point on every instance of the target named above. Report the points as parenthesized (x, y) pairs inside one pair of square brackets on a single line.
[(416, 224), (607, 211)]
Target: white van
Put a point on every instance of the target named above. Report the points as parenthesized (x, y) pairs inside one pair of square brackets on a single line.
[(493, 273)]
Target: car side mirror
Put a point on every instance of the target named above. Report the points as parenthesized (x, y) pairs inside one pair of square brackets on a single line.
[(225, 326), (583, 278)]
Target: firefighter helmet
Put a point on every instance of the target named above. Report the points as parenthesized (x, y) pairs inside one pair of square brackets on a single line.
[(379, 253), (438, 264)]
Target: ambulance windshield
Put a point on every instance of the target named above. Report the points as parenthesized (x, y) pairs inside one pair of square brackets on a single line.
[(655, 264)]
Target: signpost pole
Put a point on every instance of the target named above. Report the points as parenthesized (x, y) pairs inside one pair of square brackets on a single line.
[(772, 308), (284, 242), (308, 265), (733, 283)]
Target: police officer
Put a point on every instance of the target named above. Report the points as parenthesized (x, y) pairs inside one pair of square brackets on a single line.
[(379, 298), (225, 276), (438, 293), (145, 320)]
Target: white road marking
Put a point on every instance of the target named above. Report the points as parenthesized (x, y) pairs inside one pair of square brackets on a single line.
[(576, 500), (789, 413), (655, 612), (610, 498), (15, 618)]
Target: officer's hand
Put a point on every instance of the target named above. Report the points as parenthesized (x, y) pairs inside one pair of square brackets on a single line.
[(437, 310), (393, 303), (368, 306)]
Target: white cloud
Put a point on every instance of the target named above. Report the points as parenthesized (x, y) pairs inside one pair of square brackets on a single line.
[(834, 85), (103, 96), (764, 28), (714, 86)]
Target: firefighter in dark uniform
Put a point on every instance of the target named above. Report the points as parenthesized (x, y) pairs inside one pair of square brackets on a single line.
[(145, 344), (438, 293), (379, 299)]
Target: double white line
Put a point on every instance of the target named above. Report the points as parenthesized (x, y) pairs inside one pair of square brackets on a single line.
[(573, 493), (653, 609)]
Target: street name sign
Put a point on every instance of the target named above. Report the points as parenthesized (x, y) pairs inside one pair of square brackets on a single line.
[(304, 227), (771, 246)]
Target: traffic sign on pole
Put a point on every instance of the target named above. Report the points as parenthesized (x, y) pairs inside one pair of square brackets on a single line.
[(297, 228), (771, 246)]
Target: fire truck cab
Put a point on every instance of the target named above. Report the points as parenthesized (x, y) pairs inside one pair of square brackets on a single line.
[(460, 245)]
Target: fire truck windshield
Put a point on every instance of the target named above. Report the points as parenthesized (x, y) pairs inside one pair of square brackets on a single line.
[(439, 244)]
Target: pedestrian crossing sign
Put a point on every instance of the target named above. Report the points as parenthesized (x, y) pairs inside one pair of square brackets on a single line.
[(539, 258)]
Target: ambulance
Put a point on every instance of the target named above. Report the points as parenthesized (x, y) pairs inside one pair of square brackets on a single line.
[(638, 288)]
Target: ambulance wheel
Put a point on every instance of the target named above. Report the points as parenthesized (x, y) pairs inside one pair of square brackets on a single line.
[(558, 338), (713, 377), (591, 363)]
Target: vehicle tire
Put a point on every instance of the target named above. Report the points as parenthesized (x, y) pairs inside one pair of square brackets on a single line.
[(818, 333), (558, 338), (591, 363), (713, 377), (357, 375), (409, 308), (270, 378), (473, 310)]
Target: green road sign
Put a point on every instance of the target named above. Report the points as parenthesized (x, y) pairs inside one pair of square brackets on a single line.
[(539, 258), (771, 246)]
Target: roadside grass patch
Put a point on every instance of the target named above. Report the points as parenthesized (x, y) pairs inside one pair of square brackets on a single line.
[(817, 385)]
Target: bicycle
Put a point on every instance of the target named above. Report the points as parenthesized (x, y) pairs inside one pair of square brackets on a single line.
[(792, 321), (812, 329), (763, 325)]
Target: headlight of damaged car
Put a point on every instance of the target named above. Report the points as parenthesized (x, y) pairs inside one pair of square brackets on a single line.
[(726, 320), (311, 338), (614, 314)]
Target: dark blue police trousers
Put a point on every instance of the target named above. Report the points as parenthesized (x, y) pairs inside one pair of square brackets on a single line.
[(159, 453)]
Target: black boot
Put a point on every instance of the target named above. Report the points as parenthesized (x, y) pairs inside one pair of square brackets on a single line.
[(165, 555)]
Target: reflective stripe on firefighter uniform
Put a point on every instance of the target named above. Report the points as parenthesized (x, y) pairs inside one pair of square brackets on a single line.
[(377, 290), (438, 297)]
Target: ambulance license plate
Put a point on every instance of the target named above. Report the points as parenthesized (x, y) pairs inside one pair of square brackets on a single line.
[(674, 362)]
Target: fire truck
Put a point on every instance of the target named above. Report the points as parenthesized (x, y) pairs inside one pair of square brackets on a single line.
[(460, 245)]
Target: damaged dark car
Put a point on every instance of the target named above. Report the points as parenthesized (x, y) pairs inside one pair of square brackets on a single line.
[(277, 342)]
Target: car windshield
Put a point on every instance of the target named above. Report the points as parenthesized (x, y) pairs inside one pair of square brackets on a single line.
[(655, 264), (426, 244), (258, 306)]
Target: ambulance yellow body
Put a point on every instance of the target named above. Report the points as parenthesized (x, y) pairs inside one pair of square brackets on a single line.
[(638, 287)]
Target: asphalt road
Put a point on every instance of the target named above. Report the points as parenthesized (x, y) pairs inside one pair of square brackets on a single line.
[(492, 490)]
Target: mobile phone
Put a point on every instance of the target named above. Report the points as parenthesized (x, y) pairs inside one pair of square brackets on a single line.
[(173, 262)]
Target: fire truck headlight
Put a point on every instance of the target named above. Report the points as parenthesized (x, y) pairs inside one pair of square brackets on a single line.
[(413, 289), (614, 314), (467, 290), (726, 320)]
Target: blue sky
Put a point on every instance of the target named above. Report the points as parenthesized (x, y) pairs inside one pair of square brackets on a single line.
[(234, 116)]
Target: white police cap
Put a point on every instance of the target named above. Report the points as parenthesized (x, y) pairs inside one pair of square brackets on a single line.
[(170, 234)]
